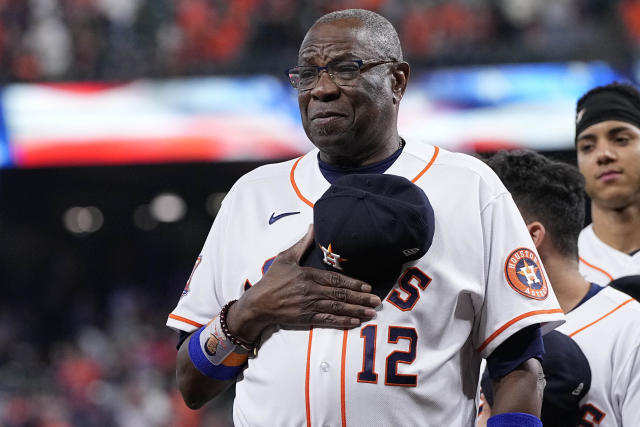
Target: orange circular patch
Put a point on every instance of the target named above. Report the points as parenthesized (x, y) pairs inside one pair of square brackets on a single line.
[(524, 274)]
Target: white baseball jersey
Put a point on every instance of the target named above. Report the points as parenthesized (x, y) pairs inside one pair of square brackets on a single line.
[(607, 329), (417, 362), (600, 263)]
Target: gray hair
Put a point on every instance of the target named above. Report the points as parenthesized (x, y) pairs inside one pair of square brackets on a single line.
[(382, 32)]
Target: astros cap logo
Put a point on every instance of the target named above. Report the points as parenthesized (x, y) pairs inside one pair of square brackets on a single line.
[(524, 274), (332, 259)]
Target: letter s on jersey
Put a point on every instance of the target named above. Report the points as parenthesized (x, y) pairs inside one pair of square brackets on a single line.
[(410, 283)]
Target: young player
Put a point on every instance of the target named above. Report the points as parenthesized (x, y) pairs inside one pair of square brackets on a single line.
[(604, 322), (608, 150), (321, 354)]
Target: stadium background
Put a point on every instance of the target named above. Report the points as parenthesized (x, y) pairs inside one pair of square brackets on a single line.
[(124, 122)]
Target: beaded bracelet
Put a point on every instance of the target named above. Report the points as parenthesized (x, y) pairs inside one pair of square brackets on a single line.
[(225, 328)]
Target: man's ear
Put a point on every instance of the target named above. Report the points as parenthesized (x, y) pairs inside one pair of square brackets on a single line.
[(537, 232), (401, 73)]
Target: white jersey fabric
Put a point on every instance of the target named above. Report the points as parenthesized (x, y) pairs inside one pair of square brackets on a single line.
[(415, 364), (600, 263), (607, 329)]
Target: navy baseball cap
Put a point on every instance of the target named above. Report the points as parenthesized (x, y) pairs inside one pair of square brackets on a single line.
[(368, 225), (630, 285), (568, 375)]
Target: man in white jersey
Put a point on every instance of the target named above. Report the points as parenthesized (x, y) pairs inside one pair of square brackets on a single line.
[(319, 352), (608, 150), (604, 322)]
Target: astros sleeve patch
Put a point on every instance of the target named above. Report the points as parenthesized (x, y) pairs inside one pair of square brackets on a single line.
[(524, 274)]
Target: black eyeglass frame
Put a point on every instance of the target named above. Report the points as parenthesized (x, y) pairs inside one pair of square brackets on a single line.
[(362, 66)]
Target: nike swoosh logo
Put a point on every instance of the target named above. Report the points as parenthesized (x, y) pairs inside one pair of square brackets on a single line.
[(282, 215)]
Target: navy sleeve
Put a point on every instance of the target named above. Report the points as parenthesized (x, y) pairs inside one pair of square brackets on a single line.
[(183, 336), (521, 346)]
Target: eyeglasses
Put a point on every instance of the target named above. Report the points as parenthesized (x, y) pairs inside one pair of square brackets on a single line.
[(343, 73)]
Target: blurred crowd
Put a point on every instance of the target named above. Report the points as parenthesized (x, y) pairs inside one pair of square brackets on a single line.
[(126, 39), (120, 372), (83, 340)]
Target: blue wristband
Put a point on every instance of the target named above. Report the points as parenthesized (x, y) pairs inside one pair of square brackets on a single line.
[(514, 419), (204, 365)]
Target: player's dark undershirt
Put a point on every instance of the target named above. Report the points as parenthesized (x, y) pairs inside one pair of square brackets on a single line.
[(632, 253), (594, 289), (181, 338), (331, 172), (518, 348)]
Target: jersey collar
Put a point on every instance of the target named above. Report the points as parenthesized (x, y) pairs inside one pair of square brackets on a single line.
[(309, 184)]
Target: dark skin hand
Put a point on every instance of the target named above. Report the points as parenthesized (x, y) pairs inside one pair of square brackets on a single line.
[(290, 295), (287, 295)]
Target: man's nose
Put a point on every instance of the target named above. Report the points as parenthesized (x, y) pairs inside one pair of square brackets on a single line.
[(325, 87), (606, 154)]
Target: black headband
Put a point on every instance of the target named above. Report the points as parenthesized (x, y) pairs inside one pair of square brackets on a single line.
[(606, 105)]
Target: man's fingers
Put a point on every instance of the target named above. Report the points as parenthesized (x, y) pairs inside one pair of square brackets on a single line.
[(344, 295), (337, 280), (331, 320), (338, 287), (337, 308), (295, 252)]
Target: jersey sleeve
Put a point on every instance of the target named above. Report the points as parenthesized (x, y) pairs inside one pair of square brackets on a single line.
[(626, 385), (517, 291), (201, 298)]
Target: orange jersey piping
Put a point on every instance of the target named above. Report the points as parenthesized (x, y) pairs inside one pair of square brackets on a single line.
[(514, 320), (307, 402), (588, 264), (436, 150), (599, 319), (185, 320), (292, 177)]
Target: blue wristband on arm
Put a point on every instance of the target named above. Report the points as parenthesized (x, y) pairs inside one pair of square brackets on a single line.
[(204, 365), (514, 419)]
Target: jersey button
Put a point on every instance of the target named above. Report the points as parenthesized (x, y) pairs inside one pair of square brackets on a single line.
[(324, 366)]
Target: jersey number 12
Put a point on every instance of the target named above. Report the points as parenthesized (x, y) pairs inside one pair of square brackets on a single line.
[(392, 377)]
